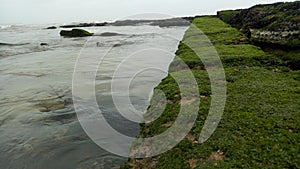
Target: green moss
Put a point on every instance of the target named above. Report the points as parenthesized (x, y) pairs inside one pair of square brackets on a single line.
[(290, 58), (227, 15), (260, 125), (51, 105)]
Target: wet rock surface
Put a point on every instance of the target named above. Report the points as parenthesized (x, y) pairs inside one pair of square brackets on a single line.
[(75, 33), (52, 27)]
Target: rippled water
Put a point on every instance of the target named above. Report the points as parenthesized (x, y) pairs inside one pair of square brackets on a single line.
[(38, 125)]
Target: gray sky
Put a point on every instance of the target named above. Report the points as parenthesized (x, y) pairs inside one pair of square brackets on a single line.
[(66, 11)]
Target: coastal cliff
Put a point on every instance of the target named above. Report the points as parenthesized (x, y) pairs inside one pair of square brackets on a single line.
[(259, 127), (273, 27), (277, 23)]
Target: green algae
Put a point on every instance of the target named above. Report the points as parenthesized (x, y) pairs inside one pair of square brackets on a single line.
[(260, 125)]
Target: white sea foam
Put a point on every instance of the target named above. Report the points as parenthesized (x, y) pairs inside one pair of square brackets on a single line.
[(5, 26)]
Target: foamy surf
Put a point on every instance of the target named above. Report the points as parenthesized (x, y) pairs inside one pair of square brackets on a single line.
[(5, 26)]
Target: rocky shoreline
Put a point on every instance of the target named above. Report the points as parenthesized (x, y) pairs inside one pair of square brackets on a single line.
[(181, 21), (259, 127), (277, 23)]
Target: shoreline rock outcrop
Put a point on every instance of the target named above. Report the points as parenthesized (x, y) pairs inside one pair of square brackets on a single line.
[(84, 25), (181, 21), (277, 23), (75, 33)]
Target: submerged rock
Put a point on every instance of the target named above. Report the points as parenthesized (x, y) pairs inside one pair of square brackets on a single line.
[(51, 105), (13, 44), (44, 44), (122, 43), (110, 34), (75, 33), (52, 27), (54, 104)]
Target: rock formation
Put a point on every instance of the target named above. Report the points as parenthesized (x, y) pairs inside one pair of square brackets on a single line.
[(277, 23), (75, 33)]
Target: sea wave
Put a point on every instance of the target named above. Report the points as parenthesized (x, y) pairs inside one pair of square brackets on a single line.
[(5, 26), (10, 52)]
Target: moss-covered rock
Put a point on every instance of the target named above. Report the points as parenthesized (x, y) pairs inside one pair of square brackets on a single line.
[(75, 33), (280, 21), (51, 105)]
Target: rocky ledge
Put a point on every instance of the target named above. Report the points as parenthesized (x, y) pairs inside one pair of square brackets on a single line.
[(281, 38), (277, 23)]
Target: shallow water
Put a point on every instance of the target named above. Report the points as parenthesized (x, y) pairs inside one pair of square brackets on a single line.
[(38, 125)]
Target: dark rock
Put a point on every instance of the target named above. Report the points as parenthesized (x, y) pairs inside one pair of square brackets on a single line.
[(117, 45), (84, 25), (189, 18), (129, 22), (122, 44), (171, 22), (52, 27), (13, 44), (110, 34), (98, 44), (185, 21), (75, 33), (44, 44)]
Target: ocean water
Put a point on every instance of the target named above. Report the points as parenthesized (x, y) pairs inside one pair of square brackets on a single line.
[(38, 124)]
